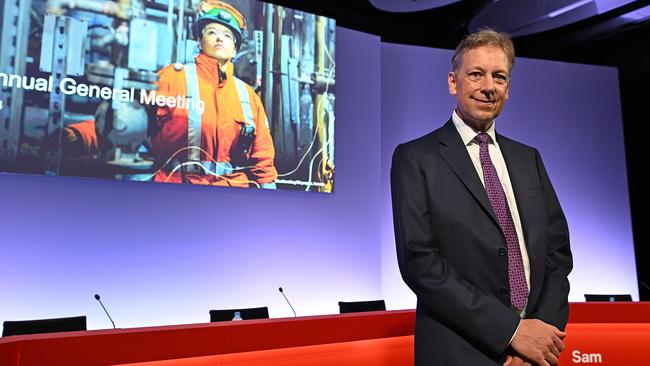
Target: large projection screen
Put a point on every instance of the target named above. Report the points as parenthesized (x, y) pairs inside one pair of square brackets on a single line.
[(163, 254), (143, 91)]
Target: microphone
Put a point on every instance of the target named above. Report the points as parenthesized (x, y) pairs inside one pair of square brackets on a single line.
[(100, 303), (285, 297)]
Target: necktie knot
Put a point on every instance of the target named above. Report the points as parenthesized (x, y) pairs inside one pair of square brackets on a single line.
[(483, 138)]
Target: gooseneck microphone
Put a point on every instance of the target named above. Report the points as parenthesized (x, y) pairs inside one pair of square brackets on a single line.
[(109, 316), (288, 302)]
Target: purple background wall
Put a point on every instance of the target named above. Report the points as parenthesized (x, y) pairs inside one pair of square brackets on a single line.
[(166, 254), (570, 112)]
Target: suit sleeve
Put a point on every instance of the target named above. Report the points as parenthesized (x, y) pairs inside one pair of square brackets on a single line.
[(479, 318), (552, 306)]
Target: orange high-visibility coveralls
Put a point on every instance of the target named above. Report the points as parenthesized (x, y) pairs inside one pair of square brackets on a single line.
[(84, 135), (221, 125)]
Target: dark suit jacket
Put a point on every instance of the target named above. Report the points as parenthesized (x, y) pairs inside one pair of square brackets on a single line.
[(451, 251)]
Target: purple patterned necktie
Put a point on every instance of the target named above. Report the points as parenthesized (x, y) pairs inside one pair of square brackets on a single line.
[(516, 275)]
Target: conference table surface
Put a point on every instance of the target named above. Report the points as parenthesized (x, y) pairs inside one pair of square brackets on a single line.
[(598, 333)]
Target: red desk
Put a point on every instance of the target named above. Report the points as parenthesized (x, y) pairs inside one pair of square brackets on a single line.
[(608, 334), (227, 343), (601, 333)]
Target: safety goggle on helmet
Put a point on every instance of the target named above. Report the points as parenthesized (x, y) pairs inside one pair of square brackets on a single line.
[(224, 14)]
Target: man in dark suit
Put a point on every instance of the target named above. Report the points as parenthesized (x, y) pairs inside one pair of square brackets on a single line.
[(481, 237)]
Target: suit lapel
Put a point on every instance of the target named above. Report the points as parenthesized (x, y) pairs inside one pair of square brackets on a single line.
[(517, 165), (521, 180), (454, 152)]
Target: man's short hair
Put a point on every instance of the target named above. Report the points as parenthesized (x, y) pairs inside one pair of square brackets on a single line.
[(484, 37)]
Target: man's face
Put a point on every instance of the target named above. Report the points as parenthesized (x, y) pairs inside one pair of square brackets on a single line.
[(218, 42), (480, 85)]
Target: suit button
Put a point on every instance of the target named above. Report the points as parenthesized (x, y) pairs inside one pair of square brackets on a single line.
[(504, 290), (501, 252)]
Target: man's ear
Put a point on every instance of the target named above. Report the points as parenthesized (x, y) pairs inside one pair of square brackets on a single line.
[(451, 83)]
